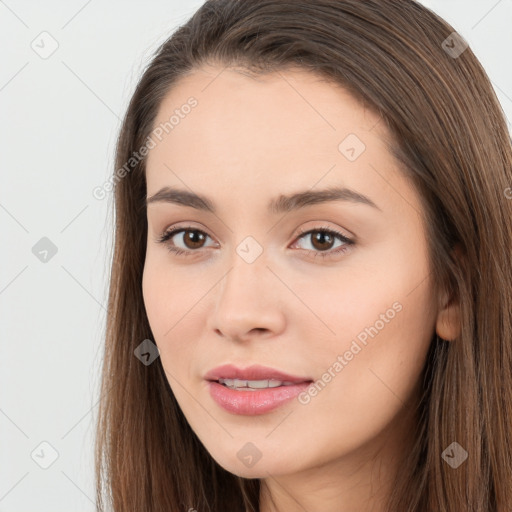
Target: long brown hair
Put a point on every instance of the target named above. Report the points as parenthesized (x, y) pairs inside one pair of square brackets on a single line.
[(450, 138)]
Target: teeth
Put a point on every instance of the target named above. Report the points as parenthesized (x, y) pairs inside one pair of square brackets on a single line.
[(253, 384)]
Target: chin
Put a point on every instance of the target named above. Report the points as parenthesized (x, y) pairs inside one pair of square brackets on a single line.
[(261, 468)]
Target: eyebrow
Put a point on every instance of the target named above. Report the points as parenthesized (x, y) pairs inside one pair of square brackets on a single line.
[(281, 204)]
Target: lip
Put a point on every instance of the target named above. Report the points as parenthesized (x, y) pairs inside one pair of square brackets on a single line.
[(255, 402), (254, 372)]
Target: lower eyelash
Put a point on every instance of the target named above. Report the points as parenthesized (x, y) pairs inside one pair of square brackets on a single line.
[(323, 254)]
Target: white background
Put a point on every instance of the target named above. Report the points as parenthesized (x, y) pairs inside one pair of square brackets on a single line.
[(60, 119)]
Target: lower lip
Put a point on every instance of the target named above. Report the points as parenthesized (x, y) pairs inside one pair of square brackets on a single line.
[(254, 402)]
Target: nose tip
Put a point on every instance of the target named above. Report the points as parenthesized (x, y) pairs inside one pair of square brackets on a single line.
[(239, 336), (247, 303)]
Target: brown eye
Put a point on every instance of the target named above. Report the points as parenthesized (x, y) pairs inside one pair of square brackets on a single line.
[(323, 240), (192, 240)]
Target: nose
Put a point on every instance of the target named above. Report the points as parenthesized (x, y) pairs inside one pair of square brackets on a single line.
[(248, 302)]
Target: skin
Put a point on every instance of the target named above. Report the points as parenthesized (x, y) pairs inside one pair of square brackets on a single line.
[(248, 141)]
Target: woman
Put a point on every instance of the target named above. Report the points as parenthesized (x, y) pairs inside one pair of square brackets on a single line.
[(310, 303)]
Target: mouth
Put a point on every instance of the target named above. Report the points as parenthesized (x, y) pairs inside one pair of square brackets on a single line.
[(253, 390), (252, 377), (253, 385)]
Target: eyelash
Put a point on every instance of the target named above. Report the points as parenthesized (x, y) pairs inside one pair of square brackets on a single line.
[(167, 235)]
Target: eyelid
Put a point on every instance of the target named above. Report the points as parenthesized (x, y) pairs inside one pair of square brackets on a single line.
[(182, 225), (324, 227), (347, 241), (301, 231), (174, 229)]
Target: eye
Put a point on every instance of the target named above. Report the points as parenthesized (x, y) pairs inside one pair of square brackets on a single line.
[(193, 239), (323, 239)]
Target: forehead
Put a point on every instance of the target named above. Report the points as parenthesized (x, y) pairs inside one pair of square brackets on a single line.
[(277, 132), (293, 104)]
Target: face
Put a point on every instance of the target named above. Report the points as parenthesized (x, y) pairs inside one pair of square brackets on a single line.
[(333, 290)]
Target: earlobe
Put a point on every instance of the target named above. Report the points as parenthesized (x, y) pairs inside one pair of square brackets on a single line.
[(448, 323), (448, 320)]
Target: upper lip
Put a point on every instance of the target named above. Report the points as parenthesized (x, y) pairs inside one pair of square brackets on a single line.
[(254, 372)]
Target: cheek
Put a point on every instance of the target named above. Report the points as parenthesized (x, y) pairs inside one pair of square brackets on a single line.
[(383, 324), (157, 298), (381, 297), (171, 304)]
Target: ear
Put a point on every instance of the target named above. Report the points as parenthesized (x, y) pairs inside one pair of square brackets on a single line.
[(448, 322)]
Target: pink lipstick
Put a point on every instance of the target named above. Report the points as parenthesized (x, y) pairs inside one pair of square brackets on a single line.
[(253, 390)]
